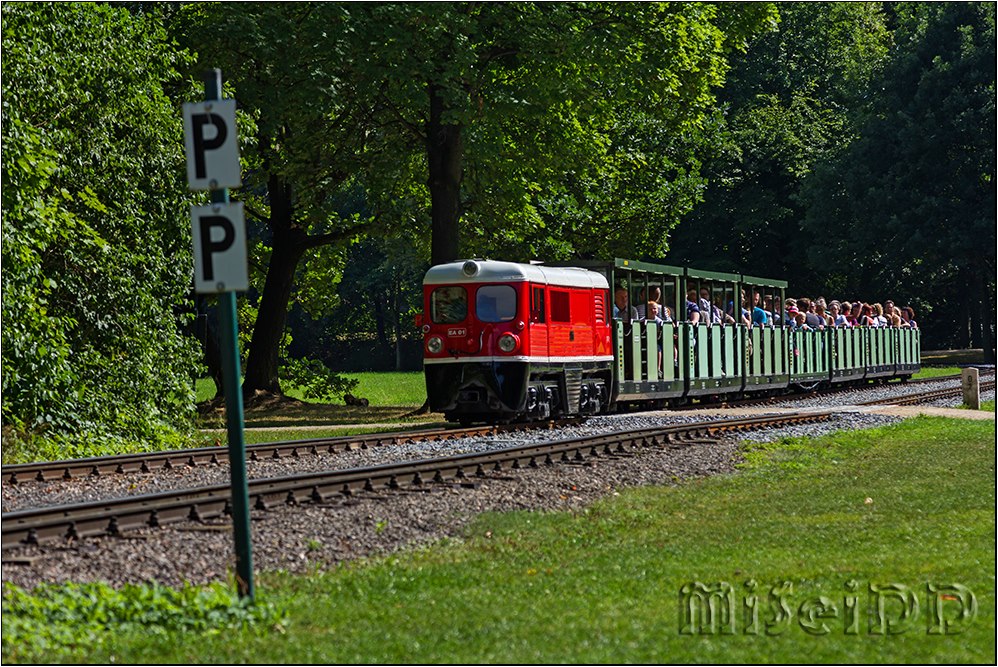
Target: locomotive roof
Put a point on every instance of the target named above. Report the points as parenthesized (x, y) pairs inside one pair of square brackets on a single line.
[(489, 271)]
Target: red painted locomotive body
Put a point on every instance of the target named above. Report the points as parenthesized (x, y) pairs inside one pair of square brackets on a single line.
[(508, 341)]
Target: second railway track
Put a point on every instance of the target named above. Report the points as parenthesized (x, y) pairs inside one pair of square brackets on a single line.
[(49, 524), (145, 462)]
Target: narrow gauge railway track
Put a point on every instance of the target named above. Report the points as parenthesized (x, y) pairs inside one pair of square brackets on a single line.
[(44, 471), (927, 396), (114, 517), (68, 469), (838, 389)]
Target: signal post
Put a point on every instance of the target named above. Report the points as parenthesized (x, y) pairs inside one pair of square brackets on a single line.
[(220, 267)]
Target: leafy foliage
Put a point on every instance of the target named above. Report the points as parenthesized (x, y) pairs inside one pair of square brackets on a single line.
[(529, 123), (96, 247), (57, 620), (786, 107), (911, 202)]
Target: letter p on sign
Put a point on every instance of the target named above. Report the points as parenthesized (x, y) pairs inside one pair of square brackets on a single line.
[(212, 147), (219, 248)]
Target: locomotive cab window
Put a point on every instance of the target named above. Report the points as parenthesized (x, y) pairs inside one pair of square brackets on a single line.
[(449, 305), (495, 303), (537, 304)]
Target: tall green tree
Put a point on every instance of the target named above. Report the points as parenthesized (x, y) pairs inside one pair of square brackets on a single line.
[(908, 208), (303, 142), (96, 240), (786, 106), (554, 116), (465, 116)]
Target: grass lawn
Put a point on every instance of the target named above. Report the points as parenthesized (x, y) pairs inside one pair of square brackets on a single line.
[(381, 389), (391, 397), (911, 504), (936, 371)]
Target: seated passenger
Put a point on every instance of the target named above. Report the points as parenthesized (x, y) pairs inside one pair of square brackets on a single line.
[(710, 313), (836, 316), (656, 296), (810, 316), (651, 308), (620, 308), (896, 322), (855, 313), (908, 315), (819, 311), (758, 314), (845, 309), (692, 309), (772, 312), (746, 317), (866, 316), (717, 311), (799, 322), (789, 311), (878, 315)]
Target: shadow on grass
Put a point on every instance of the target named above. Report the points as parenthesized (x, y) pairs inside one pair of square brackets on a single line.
[(269, 410), (952, 357)]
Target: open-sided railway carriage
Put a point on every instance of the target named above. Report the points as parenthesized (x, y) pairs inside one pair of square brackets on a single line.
[(506, 341)]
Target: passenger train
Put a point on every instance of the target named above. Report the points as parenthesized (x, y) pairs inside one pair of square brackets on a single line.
[(511, 342)]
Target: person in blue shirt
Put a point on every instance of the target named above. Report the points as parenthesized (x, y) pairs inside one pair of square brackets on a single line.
[(758, 314)]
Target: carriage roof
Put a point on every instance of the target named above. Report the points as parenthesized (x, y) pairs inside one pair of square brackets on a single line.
[(487, 271)]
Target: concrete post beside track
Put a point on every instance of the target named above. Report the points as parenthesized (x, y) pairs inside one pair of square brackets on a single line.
[(970, 379)]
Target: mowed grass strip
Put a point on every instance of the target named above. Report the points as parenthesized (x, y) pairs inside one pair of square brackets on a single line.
[(911, 504), (402, 388)]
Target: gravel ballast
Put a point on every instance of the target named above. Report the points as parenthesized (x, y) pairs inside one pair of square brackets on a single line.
[(317, 536)]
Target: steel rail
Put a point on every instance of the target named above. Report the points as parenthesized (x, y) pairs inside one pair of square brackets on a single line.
[(827, 390), (924, 397), (44, 471), (113, 517)]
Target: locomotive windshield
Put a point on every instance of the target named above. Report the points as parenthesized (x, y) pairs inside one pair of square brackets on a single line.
[(495, 303), (449, 305)]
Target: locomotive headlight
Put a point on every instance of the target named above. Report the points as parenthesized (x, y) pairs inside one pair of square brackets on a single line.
[(435, 344), (508, 342)]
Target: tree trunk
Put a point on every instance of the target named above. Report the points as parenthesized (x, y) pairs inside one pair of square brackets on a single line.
[(396, 309), (289, 244), (380, 325), (445, 152)]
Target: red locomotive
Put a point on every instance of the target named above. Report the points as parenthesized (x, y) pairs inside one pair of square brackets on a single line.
[(505, 341)]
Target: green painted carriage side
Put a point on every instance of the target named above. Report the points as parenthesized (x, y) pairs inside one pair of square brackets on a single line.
[(809, 356), (634, 334), (768, 337), (779, 352), (669, 352), (651, 351), (733, 346), (618, 346), (716, 336), (702, 351), (846, 361), (755, 354)]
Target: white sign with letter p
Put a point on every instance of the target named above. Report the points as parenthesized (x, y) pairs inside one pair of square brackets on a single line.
[(212, 146), (219, 248)]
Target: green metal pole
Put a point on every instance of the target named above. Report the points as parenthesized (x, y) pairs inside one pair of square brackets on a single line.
[(229, 330)]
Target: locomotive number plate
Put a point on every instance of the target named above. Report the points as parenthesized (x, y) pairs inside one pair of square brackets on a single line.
[(457, 332)]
